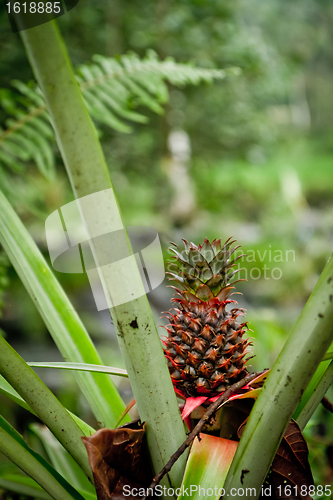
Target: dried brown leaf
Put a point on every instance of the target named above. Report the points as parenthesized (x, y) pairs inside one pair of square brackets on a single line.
[(119, 458), (290, 467)]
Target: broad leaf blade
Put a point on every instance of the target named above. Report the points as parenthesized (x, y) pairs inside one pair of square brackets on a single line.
[(207, 467)]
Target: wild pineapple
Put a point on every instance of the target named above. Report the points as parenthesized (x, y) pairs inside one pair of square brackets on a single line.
[(205, 348)]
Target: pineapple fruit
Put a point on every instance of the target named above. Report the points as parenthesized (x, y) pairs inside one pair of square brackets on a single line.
[(205, 348)]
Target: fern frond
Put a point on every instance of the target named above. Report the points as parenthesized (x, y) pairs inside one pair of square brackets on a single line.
[(111, 87)]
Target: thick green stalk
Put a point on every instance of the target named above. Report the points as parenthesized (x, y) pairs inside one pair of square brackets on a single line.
[(60, 459), (88, 173), (44, 403), (291, 373), (7, 390)]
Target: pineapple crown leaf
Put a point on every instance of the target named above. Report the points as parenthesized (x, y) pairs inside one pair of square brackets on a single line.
[(224, 293), (187, 245), (181, 258), (195, 258), (228, 243), (236, 259), (206, 249), (207, 264), (216, 246), (203, 292), (223, 256), (175, 277)]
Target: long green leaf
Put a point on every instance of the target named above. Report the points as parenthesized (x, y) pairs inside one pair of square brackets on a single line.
[(58, 314), (25, 485), (85, 367), (312, 387), (282, 391), (319, 373), (7, 390), (61, 459), (46, 406), (317, 395), (14, 447), (88, 173)]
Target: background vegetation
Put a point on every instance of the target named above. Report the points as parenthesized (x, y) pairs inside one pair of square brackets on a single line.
[(256, 164)]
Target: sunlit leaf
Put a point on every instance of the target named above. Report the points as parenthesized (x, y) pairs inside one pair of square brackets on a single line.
[(207, 466)]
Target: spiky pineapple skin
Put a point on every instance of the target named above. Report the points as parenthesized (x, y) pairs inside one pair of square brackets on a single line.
[(205, 348)]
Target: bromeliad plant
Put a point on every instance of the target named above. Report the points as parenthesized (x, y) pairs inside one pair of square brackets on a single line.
[(206, 352), (206, 347)]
